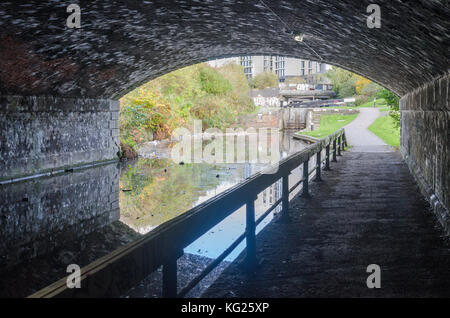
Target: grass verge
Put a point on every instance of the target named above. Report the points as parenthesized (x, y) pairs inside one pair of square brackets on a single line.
[(329, 124), (381, 104), (384, 127)]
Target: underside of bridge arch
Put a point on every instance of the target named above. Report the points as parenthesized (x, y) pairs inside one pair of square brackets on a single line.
[(59, 86)]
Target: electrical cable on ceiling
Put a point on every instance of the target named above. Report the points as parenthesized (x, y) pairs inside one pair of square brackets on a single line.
[(287, 27)]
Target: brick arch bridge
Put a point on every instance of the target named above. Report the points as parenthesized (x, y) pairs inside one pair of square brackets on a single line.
[(59, 86)]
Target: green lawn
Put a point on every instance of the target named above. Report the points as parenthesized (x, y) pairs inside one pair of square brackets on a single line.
[(384, 128), (329, 124), (381, 103)]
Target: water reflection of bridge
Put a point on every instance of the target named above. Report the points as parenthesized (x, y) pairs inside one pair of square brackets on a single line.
[(46, 224)]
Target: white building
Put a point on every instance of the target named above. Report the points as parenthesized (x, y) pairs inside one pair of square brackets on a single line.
[(283, 66)]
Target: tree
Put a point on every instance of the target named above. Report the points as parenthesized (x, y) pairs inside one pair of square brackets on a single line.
[(371, 89), (343, 82), (360, 84), (347, 84), (392, 101), (215, 95), (390, 98), (295, 80), (264, 80)]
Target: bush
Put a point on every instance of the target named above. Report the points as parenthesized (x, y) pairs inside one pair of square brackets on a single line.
[(234, 73), (212, 111), (213, 82), (264, 80), (145, 114), (343, 82), (371, 89), (347, 84), (127, 152), (295, 80), (395, 115), (239, 97), (215, 95), (392, 101), (359, 100), (360, 83), (390, 98)]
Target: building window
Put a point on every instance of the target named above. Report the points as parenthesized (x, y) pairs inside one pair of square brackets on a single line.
[(302, 67), (280, 66), (246, 63), (268, 63), (310, 67)]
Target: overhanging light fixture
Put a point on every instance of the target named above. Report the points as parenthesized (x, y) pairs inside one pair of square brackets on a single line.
[(298, 37)]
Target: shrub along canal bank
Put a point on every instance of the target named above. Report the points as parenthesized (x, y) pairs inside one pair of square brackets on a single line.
[(216, 96)]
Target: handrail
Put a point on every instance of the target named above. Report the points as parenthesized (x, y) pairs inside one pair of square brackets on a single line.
[(114, 274)]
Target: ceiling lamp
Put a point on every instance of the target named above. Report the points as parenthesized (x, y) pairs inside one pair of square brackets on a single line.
[(298, 37)]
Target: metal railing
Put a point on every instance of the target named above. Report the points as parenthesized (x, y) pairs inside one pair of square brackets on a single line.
[(114, 274)]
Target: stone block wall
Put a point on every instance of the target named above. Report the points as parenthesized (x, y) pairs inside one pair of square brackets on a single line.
[(39, 215), (293, 118), (302, 118), (425, 142), (42, 134)]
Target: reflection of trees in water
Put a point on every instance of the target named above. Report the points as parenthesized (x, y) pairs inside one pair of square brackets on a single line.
[(155, 191)]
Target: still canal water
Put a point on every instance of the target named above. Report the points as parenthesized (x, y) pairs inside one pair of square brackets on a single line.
[(155, 189)]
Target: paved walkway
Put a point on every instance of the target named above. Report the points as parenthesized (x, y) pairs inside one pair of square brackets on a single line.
[(368, 210), (360, 137)]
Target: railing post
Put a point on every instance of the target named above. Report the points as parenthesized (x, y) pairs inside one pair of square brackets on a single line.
[(339, 146), (305, 190), (327, 158), (169, 286), (285, 199), (319, 166), (334, 151), (250, 232), (345, 141)]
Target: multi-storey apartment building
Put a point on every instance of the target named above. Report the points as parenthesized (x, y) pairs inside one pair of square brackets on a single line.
[(283, 66)]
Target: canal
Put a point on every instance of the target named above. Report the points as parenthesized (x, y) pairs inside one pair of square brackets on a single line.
[(80, 216), (155, 189)]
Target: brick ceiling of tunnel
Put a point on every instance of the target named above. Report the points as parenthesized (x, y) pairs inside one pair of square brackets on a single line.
[(122, 44)]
